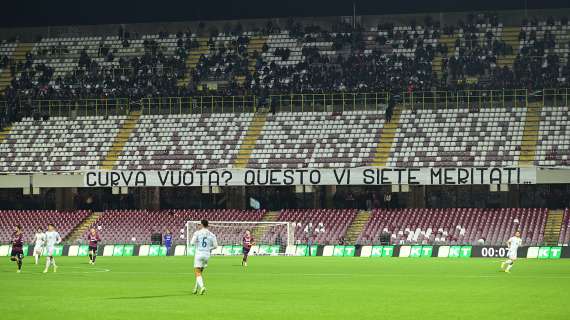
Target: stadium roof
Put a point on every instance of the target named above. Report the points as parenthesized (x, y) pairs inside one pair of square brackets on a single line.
[(83, 12)]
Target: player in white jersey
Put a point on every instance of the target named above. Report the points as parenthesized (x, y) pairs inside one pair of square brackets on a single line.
[(204, 242), (52, 238), (513, 243), (39, 241)]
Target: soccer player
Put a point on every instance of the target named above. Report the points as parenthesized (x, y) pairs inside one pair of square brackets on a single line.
[(168, 241), (17, 254), (93, 238), (513, 243), (204, 242), (52, 238), (40, 240), (248, 241)]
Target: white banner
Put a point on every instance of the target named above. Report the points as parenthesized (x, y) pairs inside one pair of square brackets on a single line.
[(292, 177)]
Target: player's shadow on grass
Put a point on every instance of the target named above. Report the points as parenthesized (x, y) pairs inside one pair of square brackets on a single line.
[(151, 297)]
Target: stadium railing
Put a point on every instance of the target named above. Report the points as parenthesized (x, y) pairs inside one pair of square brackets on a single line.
[(308, 102), (484, 98), (465, 98)]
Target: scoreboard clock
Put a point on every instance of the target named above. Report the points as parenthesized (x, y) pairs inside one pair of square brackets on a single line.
[(494, 252)]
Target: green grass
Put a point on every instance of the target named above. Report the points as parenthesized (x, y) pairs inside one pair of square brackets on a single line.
[(286, 288)]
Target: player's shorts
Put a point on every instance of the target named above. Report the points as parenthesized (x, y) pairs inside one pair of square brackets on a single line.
[(201, 260), (17, 253), (246, 250), (38, 250), (50, 251), (92, 249), (512, 255)]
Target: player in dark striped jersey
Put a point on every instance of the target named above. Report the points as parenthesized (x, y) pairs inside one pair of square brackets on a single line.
[(93, 238), (248, 242), (17, 253)]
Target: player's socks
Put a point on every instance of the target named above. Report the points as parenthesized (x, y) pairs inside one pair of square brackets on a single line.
[(90, 258), (36, 258), (19, 264), (94, 258), (48, 263), (509, 267), (203, 290), (200, 282)]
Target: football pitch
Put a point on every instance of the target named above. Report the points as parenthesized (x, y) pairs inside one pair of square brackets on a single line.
[(286, 288)]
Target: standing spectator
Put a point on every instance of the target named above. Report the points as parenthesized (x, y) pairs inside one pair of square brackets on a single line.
[(388, 200)]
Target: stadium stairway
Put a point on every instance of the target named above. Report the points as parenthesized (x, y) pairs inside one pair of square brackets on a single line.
[(448, 40), (436, 65), (269, 216), (255, 44), (510, 36), (356, 227), (192, 60), (81, 228), (4, 133), (5, 79), (553, 227), (387, 138), (530, 134), (121, 139), (250, 140), (19, 55), (506, 61)]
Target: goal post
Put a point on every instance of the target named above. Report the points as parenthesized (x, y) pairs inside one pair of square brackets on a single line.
[(230, 233)]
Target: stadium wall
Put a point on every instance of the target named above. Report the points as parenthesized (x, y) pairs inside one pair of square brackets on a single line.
[(388, 251)]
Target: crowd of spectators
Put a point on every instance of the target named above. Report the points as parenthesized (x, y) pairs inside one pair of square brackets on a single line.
[(152, 74), (355, 67)]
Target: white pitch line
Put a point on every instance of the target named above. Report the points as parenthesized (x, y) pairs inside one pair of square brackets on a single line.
[(346, 275)]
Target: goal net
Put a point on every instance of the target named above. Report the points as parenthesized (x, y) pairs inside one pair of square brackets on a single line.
[(271, 238)]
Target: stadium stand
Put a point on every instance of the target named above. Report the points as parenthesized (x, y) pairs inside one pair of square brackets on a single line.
[(328, 225), (455, 226), (65, 221), (317, 140), (59, 144), (185, 141), (476, 53), (491, 136), (553, 146), (461, 137), (408, 62), (137, 226)]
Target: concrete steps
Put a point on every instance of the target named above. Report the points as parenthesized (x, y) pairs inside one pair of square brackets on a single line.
[(387, 138), (5, 133), (356, 227), (250, 140), (80, 230), (553, 227), (270, 216), (112, 157), (530, 135), (255, 44), (193, 58)]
